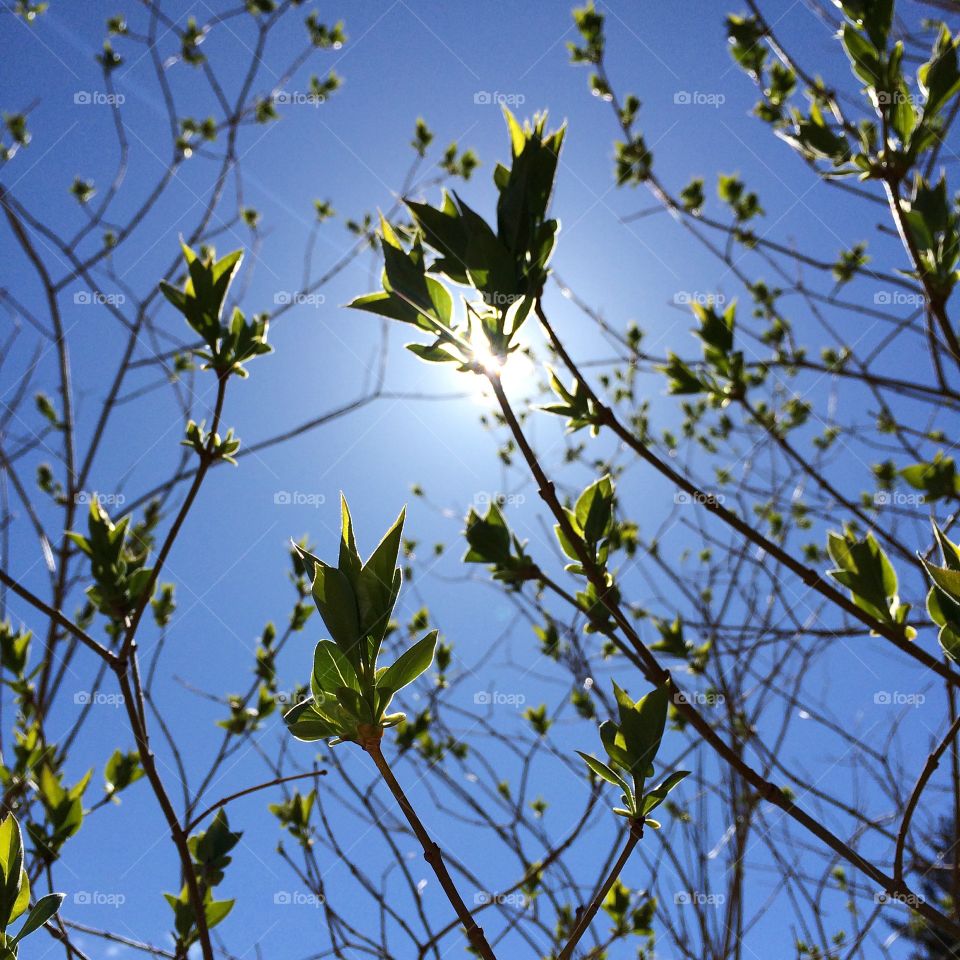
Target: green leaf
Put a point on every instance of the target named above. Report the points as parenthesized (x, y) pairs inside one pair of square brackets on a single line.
[(488, 537), (949, 550), (594, 510), (121, 770), (379, 583), (864, 568), (11, 868), (23, 897), (338, 606), (349, 562), (946, 579), (331, 669), (443, 230), (939, 78), (642, 724), (42, 911), (658, 794), (614, 744), (387, 305), (214, 843), (604, 772), (410, 664), (306, 724), (216, 910)]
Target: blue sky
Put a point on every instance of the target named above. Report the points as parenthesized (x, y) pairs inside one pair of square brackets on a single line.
[(442, 61)]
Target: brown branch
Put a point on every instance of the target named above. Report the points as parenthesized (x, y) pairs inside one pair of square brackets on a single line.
[(58, 618), (223, 801), (431, 851), (585, 916), (933, 761), (177, 833), (207, 458)]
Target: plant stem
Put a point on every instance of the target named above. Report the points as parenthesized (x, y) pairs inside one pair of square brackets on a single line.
[(57, 617), (431, 852), (207, 458), (177, 833), (933, 761), (223, 801), (585, 917)]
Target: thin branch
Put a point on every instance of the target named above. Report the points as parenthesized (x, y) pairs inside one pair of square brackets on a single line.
[(431, 852), (223, 801), (585, 917), (933, 761)]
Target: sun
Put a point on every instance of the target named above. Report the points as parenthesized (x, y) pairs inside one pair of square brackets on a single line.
[(515, 373)]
